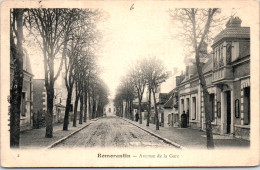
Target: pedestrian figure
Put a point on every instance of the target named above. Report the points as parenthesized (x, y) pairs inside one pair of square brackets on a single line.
[(183, 120), (136, 117)]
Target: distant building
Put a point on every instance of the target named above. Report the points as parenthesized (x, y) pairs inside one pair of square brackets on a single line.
[(110, 109), (27, 98), (40, 102), (171, 113)]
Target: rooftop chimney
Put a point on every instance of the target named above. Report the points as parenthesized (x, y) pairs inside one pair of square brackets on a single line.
[(234, 22)]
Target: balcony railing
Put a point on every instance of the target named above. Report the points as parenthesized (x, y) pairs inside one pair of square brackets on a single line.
[(222, 73)]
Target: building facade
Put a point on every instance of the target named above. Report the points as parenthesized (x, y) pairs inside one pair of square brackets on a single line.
[(110, 109), (171, 113), (27, 97), (227, 74), (40, 102)]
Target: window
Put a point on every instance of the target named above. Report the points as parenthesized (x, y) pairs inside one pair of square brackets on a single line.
[(188, 104), (237, 109), (182, 105), (194, 116), (228, 52), (23, 105), (109, 110), (218, 109)]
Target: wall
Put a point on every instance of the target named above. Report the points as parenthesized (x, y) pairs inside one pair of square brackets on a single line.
[(242, 70), (39, 95)]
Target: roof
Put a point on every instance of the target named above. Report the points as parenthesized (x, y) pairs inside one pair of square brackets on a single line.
[(205, 68), (163, 97), (60, 105), (233, 30)]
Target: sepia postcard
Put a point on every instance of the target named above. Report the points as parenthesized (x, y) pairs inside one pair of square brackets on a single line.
[(129, 83)]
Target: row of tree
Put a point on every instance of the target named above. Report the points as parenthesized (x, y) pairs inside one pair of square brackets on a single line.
[(195, 27), (147, 73), (67, 38)]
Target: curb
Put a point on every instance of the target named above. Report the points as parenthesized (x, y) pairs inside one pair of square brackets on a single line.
[(66, 137), (158, 136)]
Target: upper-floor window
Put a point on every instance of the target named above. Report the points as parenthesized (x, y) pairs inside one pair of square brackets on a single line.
[(225, 53), (228, 52)]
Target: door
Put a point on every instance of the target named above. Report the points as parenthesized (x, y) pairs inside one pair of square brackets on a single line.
[(228, 112), (211, 107), (247, 106)]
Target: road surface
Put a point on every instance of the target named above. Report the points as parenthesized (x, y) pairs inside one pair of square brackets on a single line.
[(112, 132)]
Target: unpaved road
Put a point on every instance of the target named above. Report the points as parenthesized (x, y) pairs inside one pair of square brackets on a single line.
[(111, 132)]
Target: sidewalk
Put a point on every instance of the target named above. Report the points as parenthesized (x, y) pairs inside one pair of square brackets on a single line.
[(35, 138), (192, 138)]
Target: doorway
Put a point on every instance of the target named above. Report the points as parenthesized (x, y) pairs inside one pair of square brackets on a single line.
[(211, 106), (228, 111), (247, 106)]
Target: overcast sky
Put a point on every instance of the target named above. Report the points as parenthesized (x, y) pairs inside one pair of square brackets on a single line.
[(130, 34)]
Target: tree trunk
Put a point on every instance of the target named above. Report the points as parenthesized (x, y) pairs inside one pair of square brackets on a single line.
[(197, 48), (139, 112), (210, 142), (17, 84), (49, 115), (67, 111), (85, 107), (89, 107), (156, 112), (149, 107), (127, 109), (122, 109), (93, 109), (130, 110), (75, 110), (81, 109)]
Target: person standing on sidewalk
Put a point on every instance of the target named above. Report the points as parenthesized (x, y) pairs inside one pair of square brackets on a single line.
[(136, 117)]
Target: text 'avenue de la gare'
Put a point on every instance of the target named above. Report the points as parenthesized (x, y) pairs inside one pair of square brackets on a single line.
[(99, 155)]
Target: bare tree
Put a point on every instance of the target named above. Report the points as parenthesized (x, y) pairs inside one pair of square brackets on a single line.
[(103, 93), (196, 29), (16, 44), (155, 74), (83, 39), (51, 28), (139, 81), (125, 93)]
